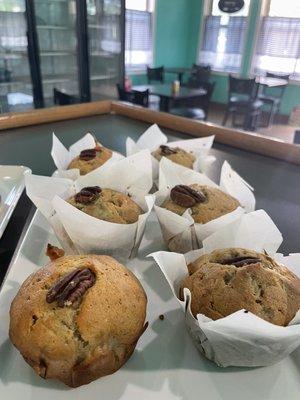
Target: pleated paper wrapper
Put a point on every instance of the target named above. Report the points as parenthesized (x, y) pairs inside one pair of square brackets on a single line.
[(241, 339), (62, 157), (181, 233), (153, 137), (80, 233)]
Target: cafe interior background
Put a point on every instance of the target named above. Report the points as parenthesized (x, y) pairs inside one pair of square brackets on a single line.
[(193, 58)]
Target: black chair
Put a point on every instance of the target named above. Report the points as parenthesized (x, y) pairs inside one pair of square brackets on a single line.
[(64, 99), (273, 96), (134, 96), (243, 102), (199, 74), (199, 107), (156, 74)]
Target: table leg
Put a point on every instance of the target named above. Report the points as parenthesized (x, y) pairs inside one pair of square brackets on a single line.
[(164, 104), (180, 75)]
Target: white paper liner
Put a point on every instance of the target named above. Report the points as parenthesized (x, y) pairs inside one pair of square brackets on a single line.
[(181, 233), (153, 137), (81, 233), (62, 157), (240, 339)]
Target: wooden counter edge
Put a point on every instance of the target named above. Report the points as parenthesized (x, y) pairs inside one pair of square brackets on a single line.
[(249, 141), (52, 114)]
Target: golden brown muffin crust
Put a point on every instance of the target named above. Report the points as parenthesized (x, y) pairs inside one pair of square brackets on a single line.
[(263, 287), (179, 156), (91, 338), (102, 154), (217, 203), (111, 206)]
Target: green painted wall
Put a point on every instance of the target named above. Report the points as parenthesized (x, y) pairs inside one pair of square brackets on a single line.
[(177, 29)]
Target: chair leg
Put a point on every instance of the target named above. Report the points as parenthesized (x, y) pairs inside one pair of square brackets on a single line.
[(225, 118)]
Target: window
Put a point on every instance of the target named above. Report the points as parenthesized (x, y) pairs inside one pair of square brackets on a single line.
[(224, 38), (138, 40), (278, 44)]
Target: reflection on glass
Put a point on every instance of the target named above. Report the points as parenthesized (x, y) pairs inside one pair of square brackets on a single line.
[(15, 82), (56, 29), (104, 23)]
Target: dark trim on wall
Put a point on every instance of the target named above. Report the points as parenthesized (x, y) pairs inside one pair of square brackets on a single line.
[(83, 51), (33, 56), (123, 34)]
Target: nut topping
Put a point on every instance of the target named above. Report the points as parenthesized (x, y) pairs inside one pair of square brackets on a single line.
[(88, 154), (71, 287), (88, 194), (54, 252), (166, 150), (241, 261), (185, 196)]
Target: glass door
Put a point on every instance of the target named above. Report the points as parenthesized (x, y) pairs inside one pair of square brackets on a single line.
[(105, 22), (15, 81), (56, 31)]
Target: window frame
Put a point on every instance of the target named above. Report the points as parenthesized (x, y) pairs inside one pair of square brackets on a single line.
[(207, 7), (130, 69), (265, 9)]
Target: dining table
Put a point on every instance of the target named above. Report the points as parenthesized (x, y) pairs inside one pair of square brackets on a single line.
[(270, 81), (168, 96)]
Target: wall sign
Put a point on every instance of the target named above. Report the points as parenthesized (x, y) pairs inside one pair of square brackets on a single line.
[(231, 6)]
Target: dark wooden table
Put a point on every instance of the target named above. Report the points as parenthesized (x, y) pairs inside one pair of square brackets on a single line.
[(167, 97), (276, 182), (179, 71)]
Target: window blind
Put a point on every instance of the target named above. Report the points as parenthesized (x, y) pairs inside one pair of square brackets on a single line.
[(223, 43), (278, 46), (138, 41)]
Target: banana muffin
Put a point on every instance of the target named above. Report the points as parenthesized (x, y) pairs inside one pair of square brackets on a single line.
[(107, 204), (78, 318), (90, 159), (232, 279), (206, 203), (175, 154)]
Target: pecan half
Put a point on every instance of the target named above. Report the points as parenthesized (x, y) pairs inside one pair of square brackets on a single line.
[(241, 261), (71, 287), (54, 252), (185, 196), (88, 154), (88, 194), (166, 150)]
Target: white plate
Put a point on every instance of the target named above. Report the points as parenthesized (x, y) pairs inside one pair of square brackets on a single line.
[(165, 364), (11, 188)]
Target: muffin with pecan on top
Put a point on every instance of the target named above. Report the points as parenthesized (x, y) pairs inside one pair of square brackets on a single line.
[(107, 204), (206, 203), (232, 279), (90, 159), (78, 318), (175, 154)]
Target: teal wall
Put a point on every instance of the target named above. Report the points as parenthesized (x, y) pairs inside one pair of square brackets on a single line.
[(176, 38)]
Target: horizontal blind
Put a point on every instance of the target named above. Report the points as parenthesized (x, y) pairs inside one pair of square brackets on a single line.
[(278, 46), (223, 44), (138, 40)]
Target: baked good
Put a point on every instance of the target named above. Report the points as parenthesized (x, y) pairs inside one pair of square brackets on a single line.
[(107, 204), (232, 279), (206, 203), (90, 159), (80, 332), (175, 154)]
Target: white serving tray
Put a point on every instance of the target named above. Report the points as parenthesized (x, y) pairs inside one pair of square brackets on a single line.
[(11, 188), (165, 364)]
